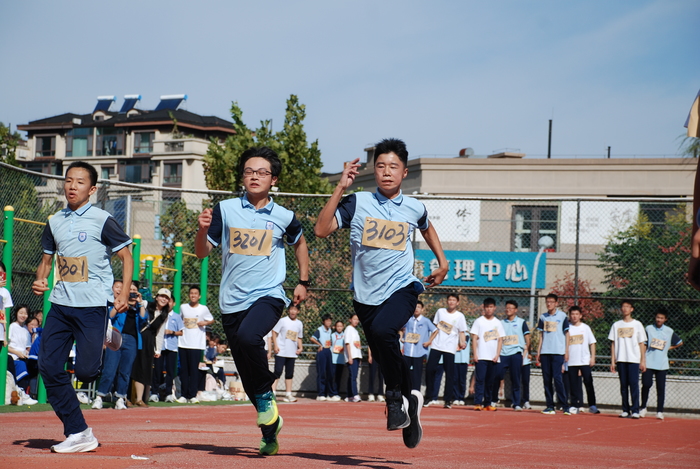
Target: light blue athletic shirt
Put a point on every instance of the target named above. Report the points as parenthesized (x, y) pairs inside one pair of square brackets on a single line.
[(462, 356), (323, 335), (174, 323), (518, 327), (245, 279), (378, 273), (90, 232), (337, 340), (554, 343), (658, 359), (422, 326)]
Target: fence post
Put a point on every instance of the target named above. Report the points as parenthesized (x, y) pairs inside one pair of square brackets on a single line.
[(8, 229), (204, 279), (177, 282), (40, 388), (576, 260), (136, 254), (148, 273)]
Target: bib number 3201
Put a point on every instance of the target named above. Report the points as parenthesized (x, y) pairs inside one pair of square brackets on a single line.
[(384, 234), (250, 242)]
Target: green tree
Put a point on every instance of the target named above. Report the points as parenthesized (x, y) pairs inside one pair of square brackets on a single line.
[(301, 161), (8, 145), (690, 146)]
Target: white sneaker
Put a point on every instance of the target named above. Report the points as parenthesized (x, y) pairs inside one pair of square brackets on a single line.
[(83, 398), (573, 410), (370, 398), (194, 400), (26, 399), (356, 399), (624, 415), (120, 405), (154, 398), (527, 406), (429, 403), (643, 412), (181, 400), (380, 398), (335, 398), (660, 415), (170, 398), (77, 443), (289, 398), (635, 415), (321, 398), (97, 404)]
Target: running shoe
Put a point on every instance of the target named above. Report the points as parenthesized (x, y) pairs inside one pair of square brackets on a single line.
[(77, 443), (429, 403), (448, 405), (289, 398), (624, 415), (479, 407), (660, 415), (370, 398), (397, 411), (97, 403), (549, 411), (635, 415), (120, 405), (517, 408), (643, 412), (490, 408), (335, 399), (414, 432), (267, 408), (270, 446), (181, 400), (593, 410), (527, 406), (321, 398)]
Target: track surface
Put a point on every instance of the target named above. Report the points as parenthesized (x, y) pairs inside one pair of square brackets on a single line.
[(326, 435)]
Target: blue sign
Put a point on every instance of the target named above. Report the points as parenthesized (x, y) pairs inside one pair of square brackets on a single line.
[(485, 269)]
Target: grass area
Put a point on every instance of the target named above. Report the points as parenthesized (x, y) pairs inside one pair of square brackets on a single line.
[(6, 409)]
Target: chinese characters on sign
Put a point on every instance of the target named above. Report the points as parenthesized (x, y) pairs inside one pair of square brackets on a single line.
[(485, 269)]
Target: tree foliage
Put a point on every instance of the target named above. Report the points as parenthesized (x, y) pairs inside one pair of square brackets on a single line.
[(301, 161), (590, 308), (8, 145)]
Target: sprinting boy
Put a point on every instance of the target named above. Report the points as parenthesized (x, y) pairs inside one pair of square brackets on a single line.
[(553, 351), (516, 341), (487, 342), (628, 357), (661, 339), (252, 229), (385, 289), (415, 335), (287, 335), (581, 361), (84, 238), (447, 338)]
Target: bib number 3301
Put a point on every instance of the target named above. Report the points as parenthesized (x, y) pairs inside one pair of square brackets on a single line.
[(250, 242), (384, 234)]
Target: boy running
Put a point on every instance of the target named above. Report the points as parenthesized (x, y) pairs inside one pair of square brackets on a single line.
[(385, 289), (252, 230)]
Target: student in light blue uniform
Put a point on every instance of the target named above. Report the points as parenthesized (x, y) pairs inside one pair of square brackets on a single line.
[(325, 371), (414, 349), (338, 357), (660, 339), (252, 231), (553, 352), (462, 358), (385, 290), (517, 340), (84, 238)]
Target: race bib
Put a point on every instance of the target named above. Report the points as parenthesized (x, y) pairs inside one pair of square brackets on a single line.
[(357, 344), (510, 340), (412, 338), (576, 339), (384, 234), (337, 349), (72, 269), (490, 335), (550, 326), (625, 332), (291, 335), (327, 344), (657, 344), (190, 323), (445, 327), (250, 242)]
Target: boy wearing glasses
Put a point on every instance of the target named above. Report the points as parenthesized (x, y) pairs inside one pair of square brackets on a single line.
[(252, 230)]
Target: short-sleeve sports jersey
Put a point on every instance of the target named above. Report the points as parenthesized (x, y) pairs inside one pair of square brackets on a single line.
[(338, 348), (659, 341), (323, 335), (174, 323), (246, 278), (421, 326), (580, 340), (89, 233), (455, 322), (487, 331), (627, 336), (514, 341), (379, 272), (352, 338), (288, 332), (553, 328)]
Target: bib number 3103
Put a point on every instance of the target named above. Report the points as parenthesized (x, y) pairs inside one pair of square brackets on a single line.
[(384, 234), (250, 242)]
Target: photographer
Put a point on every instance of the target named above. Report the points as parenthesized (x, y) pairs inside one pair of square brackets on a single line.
[(118, 364)]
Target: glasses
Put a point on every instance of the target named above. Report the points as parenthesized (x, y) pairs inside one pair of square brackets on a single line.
[(261, 173)]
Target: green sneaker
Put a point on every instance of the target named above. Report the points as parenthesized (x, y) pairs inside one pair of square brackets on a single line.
[(267, 408), (270, 447)]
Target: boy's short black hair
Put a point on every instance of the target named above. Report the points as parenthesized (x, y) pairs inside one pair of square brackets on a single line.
[(552, 295), (86, 166), (391, 145), (453, 295), (663, 311), (297, 307), (419, 302), (512, 302), (629, 302), (575, 308), (325, 317), (195, 287), (261, 152), (489, 301)]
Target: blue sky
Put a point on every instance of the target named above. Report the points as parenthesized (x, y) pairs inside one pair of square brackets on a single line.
[(442, 75)]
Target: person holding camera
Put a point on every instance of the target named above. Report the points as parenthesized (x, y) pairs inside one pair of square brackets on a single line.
[(118, 363)]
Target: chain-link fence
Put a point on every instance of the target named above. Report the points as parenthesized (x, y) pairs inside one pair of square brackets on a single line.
[(591, 252)]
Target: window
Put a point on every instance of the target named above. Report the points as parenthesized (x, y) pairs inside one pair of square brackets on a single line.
[(45, 146), (657, 213), (79, 142), (143, 142), (110, 142), (107, 171), (172, 173), (530, 224), (44, 168), (135, 172)]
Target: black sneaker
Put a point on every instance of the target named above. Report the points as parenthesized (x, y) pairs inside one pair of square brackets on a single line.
[(448, 404), (396, 410), (414, 432)]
